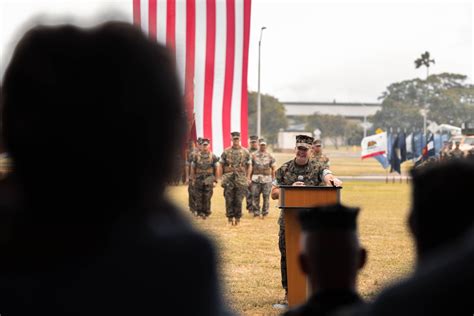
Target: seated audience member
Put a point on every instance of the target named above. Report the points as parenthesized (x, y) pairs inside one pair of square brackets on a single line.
[(443, 285), (442, 224), (93, 119), (438, 214), (331, 257)]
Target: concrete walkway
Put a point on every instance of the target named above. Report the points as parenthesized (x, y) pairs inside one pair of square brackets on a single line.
[(375, 178)]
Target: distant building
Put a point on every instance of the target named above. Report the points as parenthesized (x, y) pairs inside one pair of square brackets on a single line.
[(352, 111), (296, 112), (287, 139)]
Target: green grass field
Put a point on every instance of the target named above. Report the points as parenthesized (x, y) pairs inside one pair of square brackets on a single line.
[(249, 256)]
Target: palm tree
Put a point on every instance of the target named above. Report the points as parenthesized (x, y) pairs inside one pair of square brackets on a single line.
[(424, 60)]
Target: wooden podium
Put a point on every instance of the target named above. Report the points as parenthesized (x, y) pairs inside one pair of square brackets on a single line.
[(292, 199)]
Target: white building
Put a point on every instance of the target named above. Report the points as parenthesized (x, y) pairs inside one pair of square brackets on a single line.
[(296, 112), (349, 110)]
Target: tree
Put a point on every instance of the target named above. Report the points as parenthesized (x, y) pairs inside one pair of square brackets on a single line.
[(396, 114), (353, 133), (273, 116), (424, 60), (448, 98), (331, 126)]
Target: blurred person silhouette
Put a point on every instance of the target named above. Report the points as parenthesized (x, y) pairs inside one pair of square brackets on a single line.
[(93, 119), (331, 257), (442, 224), (439, 196)]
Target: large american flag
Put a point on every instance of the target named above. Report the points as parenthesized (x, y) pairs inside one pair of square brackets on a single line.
[(210, 39)]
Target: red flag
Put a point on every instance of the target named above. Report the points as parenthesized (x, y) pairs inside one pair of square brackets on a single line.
[(210, 39)]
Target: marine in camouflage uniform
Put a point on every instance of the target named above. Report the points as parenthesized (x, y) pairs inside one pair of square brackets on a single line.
[(193, 150), (456, 153), (253, 141), (263, 174), (444, 152), (470, 154), (236, 168), (203, 177), (311, 173), (317, 153)]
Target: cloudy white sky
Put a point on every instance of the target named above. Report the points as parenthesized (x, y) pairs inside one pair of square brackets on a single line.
[(314, 50)]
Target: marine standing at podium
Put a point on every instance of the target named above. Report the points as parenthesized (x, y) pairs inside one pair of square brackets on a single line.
[(300, 171)]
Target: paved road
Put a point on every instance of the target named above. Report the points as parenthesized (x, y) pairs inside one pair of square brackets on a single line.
[(375, 178)]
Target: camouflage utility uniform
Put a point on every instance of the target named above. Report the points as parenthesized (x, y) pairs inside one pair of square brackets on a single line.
[(204, 164), (321, 158), (235, 162), (191, 192), (248, 195), (312, 175), (456, 153), (262, 166)]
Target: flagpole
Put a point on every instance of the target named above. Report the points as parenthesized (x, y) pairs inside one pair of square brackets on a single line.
[(259, 100)]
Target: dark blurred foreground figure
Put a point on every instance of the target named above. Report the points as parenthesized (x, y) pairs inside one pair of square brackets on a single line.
[(441, 221), (443, 285), (439, 215), (87, 114), (331, 257)]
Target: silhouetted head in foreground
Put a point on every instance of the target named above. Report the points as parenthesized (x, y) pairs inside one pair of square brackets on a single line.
[(97, 107), (441, 211), (92, 119), (331, 254)]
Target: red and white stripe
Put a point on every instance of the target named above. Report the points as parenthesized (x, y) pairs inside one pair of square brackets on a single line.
[(210, 39)]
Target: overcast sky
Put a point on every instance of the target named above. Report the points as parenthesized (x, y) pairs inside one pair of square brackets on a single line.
[(314, 50)]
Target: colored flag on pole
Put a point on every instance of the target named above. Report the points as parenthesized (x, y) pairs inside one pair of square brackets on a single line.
[(429, 149), (374, 145), (382, 159), (395, 157), (210, 41), (409, 146), (403, 146)]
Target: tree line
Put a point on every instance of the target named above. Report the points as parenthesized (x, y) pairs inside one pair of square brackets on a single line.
[(447, 97)]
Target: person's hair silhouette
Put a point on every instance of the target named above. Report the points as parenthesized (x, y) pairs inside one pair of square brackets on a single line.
[(93, 120), (439, 215)]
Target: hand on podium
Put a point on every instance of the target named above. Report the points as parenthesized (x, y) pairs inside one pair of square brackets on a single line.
[(298, 184), (331, 180)]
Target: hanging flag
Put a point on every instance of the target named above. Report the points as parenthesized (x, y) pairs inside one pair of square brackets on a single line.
[(374, 145), (403, 146), (395, 156), (382, 159), (438, 143), (427, 152), (429, 149), (418, 144), (210, 41), (409, 146)]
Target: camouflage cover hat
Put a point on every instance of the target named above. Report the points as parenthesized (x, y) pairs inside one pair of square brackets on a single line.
[(206, 141), (262, 141), (304, 141), (235, 134), (331, 217), (253, 138), (317, 142), (199, 140)]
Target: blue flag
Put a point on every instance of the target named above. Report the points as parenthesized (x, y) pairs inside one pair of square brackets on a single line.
[(382, 159), (403, 146), (417, 144), (395, 157)]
